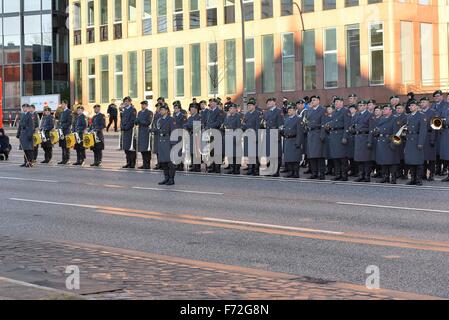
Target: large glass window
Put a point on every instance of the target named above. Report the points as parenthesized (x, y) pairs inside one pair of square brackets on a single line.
[(179, 72), (117, 10), (267, 9), (268, 69), (286, 7), (288, 62), (309, 60), (308, 6), (11, 6), (103, 20), (407, 62), (104, 78), (194, 16), (376, 48), (91, 79), (32, 38), (195, 69), (11, 40), (427, 72), (178, 16), (211, 11), (31, 5), (250, 83), (353, 73), (118, 76), (147, 27), (163, 72), (248, 9), (330, 58), (132, 74), (230, 63), (148, 57), (229, 11), (90, 13), (78, 81), (212, 68), (161, 16)]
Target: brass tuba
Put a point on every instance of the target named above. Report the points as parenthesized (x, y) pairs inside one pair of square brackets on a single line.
[(397, 138), (436, 123)]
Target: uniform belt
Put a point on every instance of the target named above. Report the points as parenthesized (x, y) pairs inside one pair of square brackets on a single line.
[(315, 128), (362, 132), (337, 129), (164, 135)]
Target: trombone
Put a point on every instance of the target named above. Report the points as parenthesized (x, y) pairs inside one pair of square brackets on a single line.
[(437, 123), (397, 138)]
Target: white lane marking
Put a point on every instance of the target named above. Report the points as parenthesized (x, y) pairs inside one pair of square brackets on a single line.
[(56, 203), (181, 191), (25, 179), (235, 222), (272, 226), (31, 285), (390, 207)]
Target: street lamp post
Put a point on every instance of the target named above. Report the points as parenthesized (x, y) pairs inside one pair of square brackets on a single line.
[(300, 13), (245, 95)]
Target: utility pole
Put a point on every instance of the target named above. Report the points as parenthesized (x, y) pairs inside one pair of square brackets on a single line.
[(245, 95)]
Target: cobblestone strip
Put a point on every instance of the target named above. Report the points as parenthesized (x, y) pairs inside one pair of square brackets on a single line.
[(138, 275)]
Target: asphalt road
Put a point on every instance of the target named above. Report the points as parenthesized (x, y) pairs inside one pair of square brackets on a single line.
[(326, 230)]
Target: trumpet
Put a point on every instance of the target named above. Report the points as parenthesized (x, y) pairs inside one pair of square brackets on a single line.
[(437, 123), (397, 138)]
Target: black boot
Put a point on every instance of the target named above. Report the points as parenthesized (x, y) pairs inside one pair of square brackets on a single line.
[(167, 178)]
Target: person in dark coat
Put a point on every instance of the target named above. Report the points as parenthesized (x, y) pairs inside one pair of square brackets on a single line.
[(293, 133), (444, 145), (214, 120), (164, 127), (194, 136), (25, 135), (414, 149), (37, 123), (387, 153), (64, 127), (316, 138), (402, 117), (338, 129), (430, 152), (362, 146), (155, 139), (79, 129), (143, 121), (98, 125), (232, 122), (274, 119), (411, 97), (353, 166), (302, 115), (113, 115), (180, 118), (47, 125), (251, 122), (5, 146), (128, 134), (439, 106), (373, 123)]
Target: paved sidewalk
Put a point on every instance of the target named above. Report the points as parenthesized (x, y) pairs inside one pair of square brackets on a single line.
[(11, 289), (111, 273)]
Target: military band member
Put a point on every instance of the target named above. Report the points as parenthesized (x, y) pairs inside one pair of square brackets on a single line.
[(98, 125), (302, 115), (293, 133), (252, 121), (338, 129), (316, 138), (387, 155), (274, 119), (402, 118), (414, 148), (232, 122), (373, 123), (155, 138), (430, 152), (439, 106), (395, 102), (353, 166), (80, 129), (128, 138), (36, 122), (143, 121), (444, 145), (65, 124), (164, 127), (214, 120), (362, 145), (47, 125), (25, 135), (180, 119), (189, 126)]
